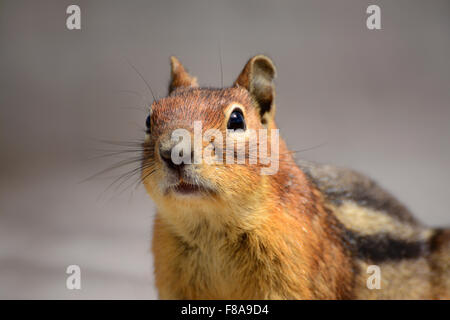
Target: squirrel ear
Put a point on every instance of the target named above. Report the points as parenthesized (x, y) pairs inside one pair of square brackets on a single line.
[(179, 76), (257, 77)]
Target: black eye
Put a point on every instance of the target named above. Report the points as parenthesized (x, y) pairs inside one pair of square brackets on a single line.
[(148, 123), (236, 120)]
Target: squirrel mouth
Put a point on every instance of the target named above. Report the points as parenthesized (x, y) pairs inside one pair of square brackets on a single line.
[(188, 188)]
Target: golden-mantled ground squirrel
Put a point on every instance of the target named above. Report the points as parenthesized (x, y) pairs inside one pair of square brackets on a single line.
[(308, 231)]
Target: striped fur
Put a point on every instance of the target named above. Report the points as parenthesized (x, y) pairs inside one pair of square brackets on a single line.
[(414, 260)]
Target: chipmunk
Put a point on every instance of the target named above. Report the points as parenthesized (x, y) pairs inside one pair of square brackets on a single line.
[(309, 231)]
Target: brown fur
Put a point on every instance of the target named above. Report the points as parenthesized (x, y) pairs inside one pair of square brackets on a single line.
[(279, 236), (440, 264)]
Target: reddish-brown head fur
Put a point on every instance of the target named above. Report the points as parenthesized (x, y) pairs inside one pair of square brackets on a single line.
[(252, 94)]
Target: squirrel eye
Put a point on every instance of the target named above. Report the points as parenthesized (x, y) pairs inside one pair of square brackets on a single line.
[(148, 123), (236, 120)]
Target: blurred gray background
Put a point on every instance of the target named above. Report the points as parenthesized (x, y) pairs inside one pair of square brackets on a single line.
[(376, 101)]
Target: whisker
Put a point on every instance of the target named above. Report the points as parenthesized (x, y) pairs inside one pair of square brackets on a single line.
[(142, 77), (113, 153), (115, 166), (306, 149), (136, 183), (117, 180), (130, 143), (148, 175), (123, 178)]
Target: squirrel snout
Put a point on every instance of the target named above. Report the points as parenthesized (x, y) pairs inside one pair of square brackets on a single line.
[(175, 155), (166, 157)]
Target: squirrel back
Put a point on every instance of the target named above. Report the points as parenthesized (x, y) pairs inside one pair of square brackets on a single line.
[(308, 231), (414, 260)]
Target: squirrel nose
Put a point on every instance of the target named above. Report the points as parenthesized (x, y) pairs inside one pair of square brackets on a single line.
[(166, 156), (165, 153)]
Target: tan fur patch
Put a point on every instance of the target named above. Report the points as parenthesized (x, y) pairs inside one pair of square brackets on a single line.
[(407, 279), (367, 221)]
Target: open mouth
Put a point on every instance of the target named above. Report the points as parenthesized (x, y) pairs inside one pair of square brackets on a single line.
[(188, 188)]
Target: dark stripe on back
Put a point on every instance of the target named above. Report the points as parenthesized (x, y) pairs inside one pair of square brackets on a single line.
[(382, 247), (341, 184)]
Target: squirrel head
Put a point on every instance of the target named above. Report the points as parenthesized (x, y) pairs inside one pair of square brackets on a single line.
[(186, 151)]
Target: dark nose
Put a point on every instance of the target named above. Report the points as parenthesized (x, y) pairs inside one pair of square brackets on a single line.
[(165, 151), (166, 156)]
